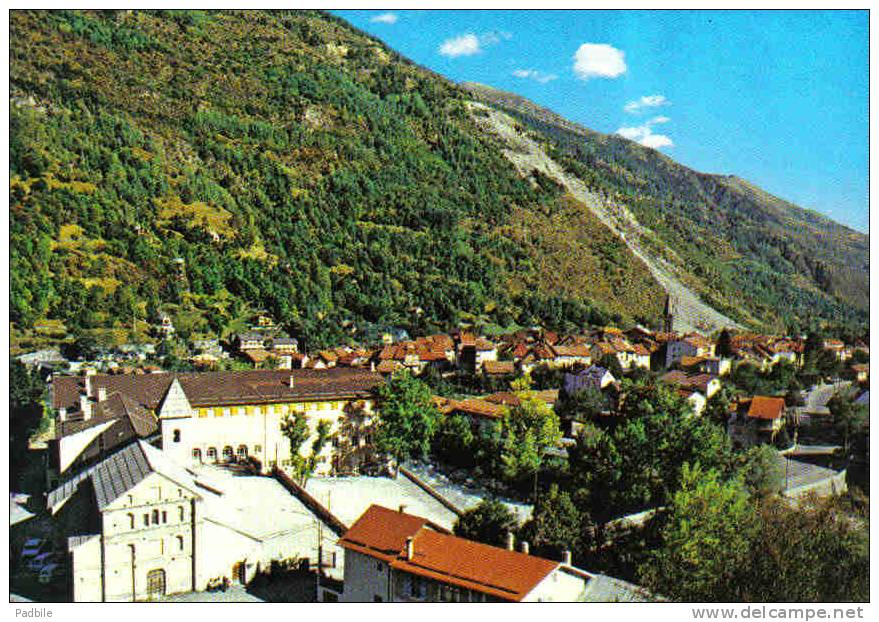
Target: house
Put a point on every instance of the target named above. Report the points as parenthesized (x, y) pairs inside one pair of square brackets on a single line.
[(837, 348), (285, 345), (482, 415), (692, 344), (140, 526), (706, 384), (213, 417), (861, 372), (250, 340), (768, 413), (570, 355), (715, 365), (499, 368), (93, 429), (392, 556), (696, 400), (595, 377)]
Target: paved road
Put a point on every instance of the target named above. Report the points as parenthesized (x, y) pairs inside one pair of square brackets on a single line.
[(235, 594)]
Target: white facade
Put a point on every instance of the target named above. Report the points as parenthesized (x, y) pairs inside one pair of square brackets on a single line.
[(146, 545), (223, 433)]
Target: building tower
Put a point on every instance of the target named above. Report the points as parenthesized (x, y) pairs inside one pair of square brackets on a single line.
[(668, 318)]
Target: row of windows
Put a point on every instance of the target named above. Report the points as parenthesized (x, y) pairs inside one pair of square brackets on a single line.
[(157, 517), (282, 409), (228, 453)]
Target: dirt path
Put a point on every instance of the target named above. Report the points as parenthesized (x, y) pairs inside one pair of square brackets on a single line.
[(691, 313)]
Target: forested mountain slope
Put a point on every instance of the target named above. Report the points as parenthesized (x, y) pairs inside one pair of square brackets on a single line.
[(759, 259), (207, 164)]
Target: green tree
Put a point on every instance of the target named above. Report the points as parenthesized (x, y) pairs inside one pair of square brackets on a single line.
[(488, 522), (295, 428), (556, 524), (454, 441), (611, 363), (706, 542), (762, 470), (527, 431), (848, 417), (408, 418), (724, 344)]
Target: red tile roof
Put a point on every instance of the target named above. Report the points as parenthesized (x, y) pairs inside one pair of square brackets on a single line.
[(497, 572), (766, 407), (498, 367), (256, 386)]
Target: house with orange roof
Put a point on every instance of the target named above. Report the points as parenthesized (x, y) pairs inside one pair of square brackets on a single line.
[(391, 556), (692, 344), (768, 413)]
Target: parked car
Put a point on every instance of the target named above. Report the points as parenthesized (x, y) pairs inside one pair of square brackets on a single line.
[(52, 572), (43, 559), (33, 547)]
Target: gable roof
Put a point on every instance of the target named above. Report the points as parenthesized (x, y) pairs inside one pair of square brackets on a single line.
[(497, 572), (122, 471), (258, 386), (766, 407)]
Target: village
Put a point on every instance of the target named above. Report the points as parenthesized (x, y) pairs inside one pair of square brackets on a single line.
[(182, 485)]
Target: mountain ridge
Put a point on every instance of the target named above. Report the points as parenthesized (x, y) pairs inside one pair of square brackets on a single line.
[(208, 164)]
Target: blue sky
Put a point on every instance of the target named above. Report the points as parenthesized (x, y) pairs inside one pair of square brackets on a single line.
[(779, 98)]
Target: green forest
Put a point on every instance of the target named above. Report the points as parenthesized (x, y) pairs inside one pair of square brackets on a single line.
[(205, 164), (209, 164)]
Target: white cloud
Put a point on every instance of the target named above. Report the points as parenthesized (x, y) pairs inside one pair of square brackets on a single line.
[(643, 134), (647, 101), (599, 60), (385, 18), (463, 45), (469, 44), (535, 75)]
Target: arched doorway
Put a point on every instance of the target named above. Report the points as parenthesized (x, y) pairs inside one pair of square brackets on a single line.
[(156, 583), (239, 572)]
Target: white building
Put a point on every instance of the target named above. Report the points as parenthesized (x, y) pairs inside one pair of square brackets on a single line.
[(693, 344), (217, 417), (141, 527)]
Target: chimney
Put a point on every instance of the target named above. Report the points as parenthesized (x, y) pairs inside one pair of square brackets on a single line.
[(86, 407), (511, 541), (567, 558), (62, 413), (88, 381), (410, 548), (525, 548), (102, 394), (402, 508)]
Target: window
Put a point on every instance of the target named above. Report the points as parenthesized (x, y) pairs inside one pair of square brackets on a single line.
[(155, 517), (176, 436), (131, 521), (334, 559), (378, 566), (257, 449), (212, 454), (227, 453), (181, 513), (130, 500), (164, 517), (146, 520), (242, 451), (179, 543)]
